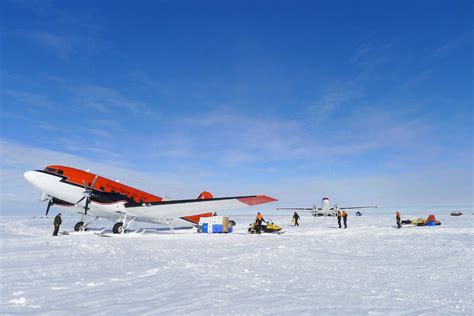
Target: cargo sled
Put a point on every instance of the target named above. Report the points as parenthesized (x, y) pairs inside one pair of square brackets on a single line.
[(430, 221)]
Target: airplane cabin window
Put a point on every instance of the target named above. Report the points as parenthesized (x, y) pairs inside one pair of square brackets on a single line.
[(102, 188), (51, 170), (60, 171)]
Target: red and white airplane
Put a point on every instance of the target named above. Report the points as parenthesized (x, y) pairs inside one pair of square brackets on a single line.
[(91, 195)]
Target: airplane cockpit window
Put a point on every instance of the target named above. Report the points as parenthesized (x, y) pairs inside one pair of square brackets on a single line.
[(54, 170), (50, 170)]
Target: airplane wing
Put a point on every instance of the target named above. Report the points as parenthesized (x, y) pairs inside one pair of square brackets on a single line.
[(297, 208), (354, 207), (163, 210)]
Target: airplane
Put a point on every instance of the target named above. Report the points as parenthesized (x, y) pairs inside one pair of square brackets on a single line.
[(94, 196), (325, 209)]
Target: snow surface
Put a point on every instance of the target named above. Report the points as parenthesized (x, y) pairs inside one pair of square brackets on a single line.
[(369, 268)]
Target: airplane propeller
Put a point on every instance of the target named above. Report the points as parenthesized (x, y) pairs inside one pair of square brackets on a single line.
[(87, 193), (48, 198), (50, 203)]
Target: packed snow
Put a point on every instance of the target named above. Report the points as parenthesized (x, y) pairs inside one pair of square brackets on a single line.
[(316, 268)]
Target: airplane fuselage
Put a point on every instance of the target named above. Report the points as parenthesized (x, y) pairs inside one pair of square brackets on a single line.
[(67, 184)]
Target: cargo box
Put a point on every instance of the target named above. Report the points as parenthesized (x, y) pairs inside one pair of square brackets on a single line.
[(203, 220), (214, 224), (216, 228), (225, 225)]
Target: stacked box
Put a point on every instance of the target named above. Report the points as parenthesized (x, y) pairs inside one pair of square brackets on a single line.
[(214, 225), (204, 228), (204, 224), (225, 225)]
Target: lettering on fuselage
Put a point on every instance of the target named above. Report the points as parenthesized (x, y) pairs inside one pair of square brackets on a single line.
[(132, 195)]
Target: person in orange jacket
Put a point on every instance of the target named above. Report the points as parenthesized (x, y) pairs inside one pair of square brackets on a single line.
[(344, 218), (258, 222), (397, 216)]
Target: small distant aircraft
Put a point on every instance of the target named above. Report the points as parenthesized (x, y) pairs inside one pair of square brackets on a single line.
[(325, 209), (96, 197)]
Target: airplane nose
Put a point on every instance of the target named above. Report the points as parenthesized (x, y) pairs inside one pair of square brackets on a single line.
[(31, 176)]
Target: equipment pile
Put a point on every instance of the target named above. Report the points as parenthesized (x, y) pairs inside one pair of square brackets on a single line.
[(430, 221), (215, 225)]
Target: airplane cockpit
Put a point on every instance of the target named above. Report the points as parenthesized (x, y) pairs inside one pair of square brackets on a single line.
[(54, 170)]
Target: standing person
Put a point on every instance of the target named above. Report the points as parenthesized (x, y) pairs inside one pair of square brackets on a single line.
[(344, 218), (296, 218), (258, 222), (57, 223), (397, 216), (339, 218)]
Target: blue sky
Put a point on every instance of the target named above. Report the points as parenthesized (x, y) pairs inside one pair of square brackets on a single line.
[(362, 101)]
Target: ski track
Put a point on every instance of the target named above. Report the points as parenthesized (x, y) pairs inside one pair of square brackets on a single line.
[(369, 268)]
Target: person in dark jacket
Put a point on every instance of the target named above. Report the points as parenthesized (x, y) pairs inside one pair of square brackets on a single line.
[(296, 218), (57, 223), (339, 218), (397, 216)]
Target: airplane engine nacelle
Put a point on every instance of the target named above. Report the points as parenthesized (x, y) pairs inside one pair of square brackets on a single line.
[(325, 205)]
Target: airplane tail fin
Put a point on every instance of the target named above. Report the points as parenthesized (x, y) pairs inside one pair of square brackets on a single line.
[(205, 195)]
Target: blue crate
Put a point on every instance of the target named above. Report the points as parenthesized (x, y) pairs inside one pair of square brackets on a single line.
[(216, 228)]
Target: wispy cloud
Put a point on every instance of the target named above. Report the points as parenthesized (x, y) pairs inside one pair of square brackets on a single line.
[(245, 138), (333, 100), (107, 100), (68, 35), (33, 99), (61, 45), (370, 54), (242, 140), (99, 132), (451, 46)]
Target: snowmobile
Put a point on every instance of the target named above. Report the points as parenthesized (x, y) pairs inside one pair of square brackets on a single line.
[(269, 227)]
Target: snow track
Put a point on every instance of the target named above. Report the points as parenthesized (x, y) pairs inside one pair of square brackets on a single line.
[(369, 268)]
